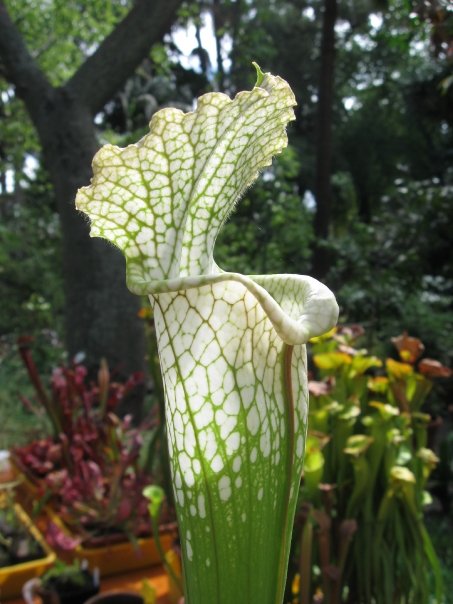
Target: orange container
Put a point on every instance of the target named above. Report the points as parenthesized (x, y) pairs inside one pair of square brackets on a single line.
[(119, 557), (124, 556)]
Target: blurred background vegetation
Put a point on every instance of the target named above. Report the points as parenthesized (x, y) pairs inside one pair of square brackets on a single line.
[(362, 197)]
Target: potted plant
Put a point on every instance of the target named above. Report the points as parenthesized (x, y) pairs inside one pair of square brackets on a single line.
[(365, 476), (63, 584), (89, 471), (23, 552)]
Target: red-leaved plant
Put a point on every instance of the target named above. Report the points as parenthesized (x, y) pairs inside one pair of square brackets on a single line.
[(89, 468)]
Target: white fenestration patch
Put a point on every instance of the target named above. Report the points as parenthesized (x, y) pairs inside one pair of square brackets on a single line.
[(217, 464), (225, 488), (201, 506), (300, 445), (189, 550), (232, 442), (253, 421)]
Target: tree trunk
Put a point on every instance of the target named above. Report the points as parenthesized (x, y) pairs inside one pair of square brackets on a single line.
[(323, 190), (364, 205), (101, 314)]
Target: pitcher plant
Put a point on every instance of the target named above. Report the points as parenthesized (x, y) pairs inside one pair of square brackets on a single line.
[(231, 347)]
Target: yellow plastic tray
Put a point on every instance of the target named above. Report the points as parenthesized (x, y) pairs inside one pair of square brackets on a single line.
[(13, 577)]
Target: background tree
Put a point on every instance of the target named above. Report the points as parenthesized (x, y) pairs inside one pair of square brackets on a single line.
[(100, 313)]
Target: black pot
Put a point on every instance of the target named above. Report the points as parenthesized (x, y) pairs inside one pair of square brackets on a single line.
[(56, 592), (116, 597)]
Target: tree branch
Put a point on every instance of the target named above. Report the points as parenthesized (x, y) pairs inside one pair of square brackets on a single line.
[(104, 72), (19, 67)]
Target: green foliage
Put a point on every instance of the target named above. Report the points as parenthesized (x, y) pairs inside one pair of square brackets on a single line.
[(30, 283), (17, 136), (18, 425), (440, 532), (157, 83), (32, 302), (48, 30), (366, 471), (271, 230), (393, 274), (59, 48), (65, 575)]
